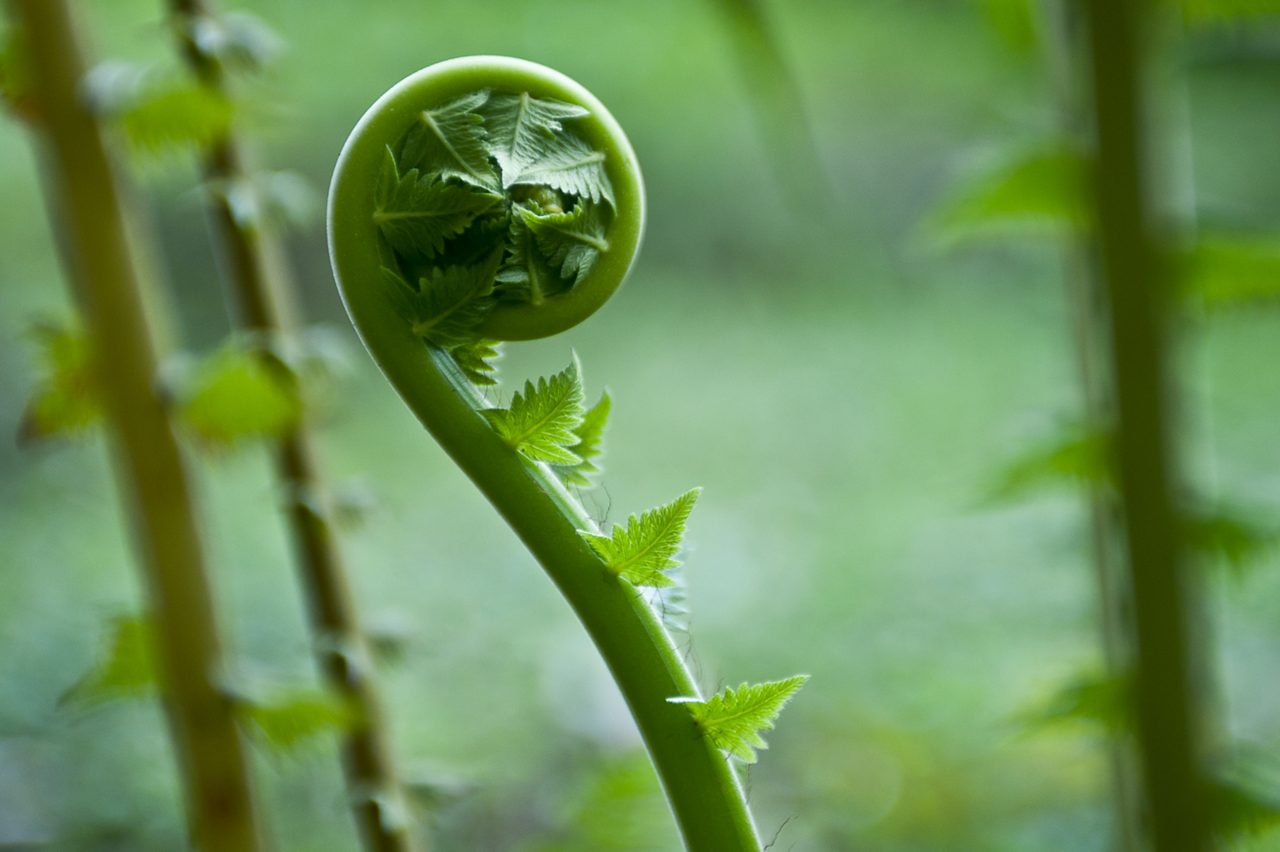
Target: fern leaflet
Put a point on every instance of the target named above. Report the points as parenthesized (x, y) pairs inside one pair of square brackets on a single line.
[(570, 241), (450, 141), (542, 422), (732, 719), (646, 547), (590, 446), (416, 213), (520, 127), (569, 165)]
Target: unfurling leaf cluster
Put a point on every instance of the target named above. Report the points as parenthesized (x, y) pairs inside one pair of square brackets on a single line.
[(492, 197), (733, 719)]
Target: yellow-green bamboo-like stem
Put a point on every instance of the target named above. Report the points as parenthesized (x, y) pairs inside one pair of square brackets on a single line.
[(88, 210), (261, 291), (1137, 292)]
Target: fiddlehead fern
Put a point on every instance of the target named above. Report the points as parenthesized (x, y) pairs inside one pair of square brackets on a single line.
[(487, 199)]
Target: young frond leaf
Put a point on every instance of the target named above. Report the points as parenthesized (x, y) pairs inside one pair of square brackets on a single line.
[(1231, 272), (417, 213), (290, 718), (449, 142), (520, 129), (476, 361), (570, 165), (66, 401), (733, 719), (1041, 190), (451, 303), (526, 275), (238, 394), (1095, 699), (590, 446), (570, 241), (126, 670), (159, 112), (542, 422), (646, 547), (1232, 535), (1077, 456)]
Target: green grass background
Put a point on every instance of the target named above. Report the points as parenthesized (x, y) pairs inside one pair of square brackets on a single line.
[(844, 389)]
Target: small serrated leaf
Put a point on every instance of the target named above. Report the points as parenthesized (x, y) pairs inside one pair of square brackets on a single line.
[(1222, 272), (449, 142), (159, 112), (646, 547), (542, 422), (1230, 534), (1076, 456), (526, 275), (476, 361), (239, 393), (66, 400), (1041, 190), (570, 165), (733, 719), (451, 303), (1096, 699), (419, 212), (126, 670), (590, 446), (572, 241), (287, 719), (520, 127)]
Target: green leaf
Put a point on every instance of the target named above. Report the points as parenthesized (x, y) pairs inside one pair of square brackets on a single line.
[(475, 360), (569, 165), (526, 275), (732, 719), (1231, 535), (542, 423), (590, 446), (159, 112), (1094, 698), (572, 241), (646, 547), (1040, 190), (1241, 807), (127, 670), (417, 213), (66, 400), (451, 303), (521, 129), (449, 142), (288, 719), (1232, 272), (1077, 456), (240, 393)]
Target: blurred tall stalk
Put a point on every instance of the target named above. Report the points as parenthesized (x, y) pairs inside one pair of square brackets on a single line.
[(1137, 289), (1080, 256), (91, 219), (261, 291)]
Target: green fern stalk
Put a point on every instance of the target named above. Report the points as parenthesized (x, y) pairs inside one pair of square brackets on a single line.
[(102, 263), (1083, 291), (1137, 292), (487, 199), (261, 292)]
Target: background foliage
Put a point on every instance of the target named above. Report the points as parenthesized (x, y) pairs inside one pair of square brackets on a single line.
[(849, 378)]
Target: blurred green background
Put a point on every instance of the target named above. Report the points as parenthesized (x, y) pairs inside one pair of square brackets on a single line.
[(845, 388)]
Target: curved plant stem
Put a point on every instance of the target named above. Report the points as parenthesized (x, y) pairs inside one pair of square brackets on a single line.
[(260, 288), (1137, 293), (101, 262)]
